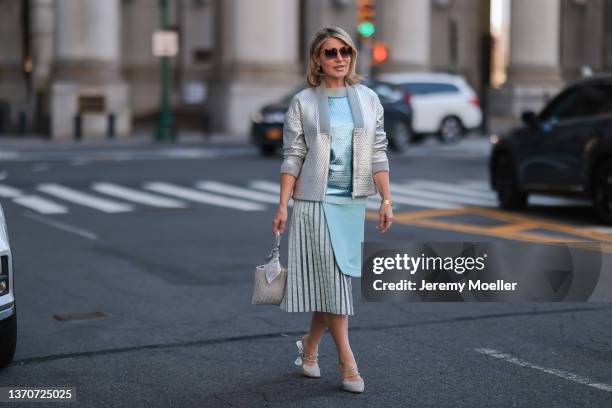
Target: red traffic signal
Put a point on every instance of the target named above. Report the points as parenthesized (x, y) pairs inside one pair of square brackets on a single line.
[(380, 53)]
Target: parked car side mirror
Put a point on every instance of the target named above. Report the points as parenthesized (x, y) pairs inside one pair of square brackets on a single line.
[(529, 118)]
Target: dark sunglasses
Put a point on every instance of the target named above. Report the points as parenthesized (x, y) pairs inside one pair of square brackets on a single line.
[(333, 52)]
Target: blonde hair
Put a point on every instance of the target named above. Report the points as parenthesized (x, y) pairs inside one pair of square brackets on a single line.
[(314, 76)]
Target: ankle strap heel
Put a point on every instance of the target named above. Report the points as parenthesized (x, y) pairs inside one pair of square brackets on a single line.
[(308, 370), (355, 385)]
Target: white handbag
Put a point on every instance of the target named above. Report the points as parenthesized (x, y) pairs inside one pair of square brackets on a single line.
[(270, 278)]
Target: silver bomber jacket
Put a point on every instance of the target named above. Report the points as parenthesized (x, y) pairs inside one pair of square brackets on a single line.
[(307, 142)]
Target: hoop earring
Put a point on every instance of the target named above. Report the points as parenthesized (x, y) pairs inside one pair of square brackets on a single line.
[(320, 70)]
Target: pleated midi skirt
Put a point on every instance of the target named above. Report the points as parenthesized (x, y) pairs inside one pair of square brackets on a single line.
[(314, 280)]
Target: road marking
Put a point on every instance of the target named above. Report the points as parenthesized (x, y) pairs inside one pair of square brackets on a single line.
[(274, 188), (265, 186), (554, 371), (482, 187), (228, 189), (541, 199), (418, 202), (8, 155), (42, 205), (9, 192), (136, 196), (596, 228), (63, 226), (202, 197), (516, 227), (190, 153), (437, 197), (40, 167), (454, 189), (81, 198), (538, 199)]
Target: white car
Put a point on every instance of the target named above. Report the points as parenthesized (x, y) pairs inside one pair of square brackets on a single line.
[(442, 104), (8, 311)]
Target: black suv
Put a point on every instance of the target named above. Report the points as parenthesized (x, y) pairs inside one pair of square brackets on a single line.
[(566, 149)]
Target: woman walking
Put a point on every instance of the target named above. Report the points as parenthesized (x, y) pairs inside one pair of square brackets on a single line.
[(334, 156)]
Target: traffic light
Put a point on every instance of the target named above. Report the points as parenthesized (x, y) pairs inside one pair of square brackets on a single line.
[(366, 15), (380, 53)]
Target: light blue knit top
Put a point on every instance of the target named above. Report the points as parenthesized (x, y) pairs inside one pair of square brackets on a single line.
[(339, 182)]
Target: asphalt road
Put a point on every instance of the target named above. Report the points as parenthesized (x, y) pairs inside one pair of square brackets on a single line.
[(153, 293)]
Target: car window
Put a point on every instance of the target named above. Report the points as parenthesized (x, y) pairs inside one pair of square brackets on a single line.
[(425, 88), (584, 101), (605, 105), (387, 93)]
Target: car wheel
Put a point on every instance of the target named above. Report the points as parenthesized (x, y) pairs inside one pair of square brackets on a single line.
[(400, 137), (509, 194), (8, 339), (267, 150), (451, 130), (602, 193)]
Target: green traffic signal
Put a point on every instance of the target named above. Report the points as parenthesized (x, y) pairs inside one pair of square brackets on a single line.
[(366, 29)]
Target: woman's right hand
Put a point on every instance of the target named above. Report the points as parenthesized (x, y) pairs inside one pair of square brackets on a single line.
[(280, 220)]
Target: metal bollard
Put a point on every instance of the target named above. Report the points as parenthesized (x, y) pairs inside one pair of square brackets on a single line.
[(21, 123), (110, 129), (78, 122)]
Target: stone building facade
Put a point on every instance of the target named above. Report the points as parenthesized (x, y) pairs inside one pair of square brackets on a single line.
[(89, 59)]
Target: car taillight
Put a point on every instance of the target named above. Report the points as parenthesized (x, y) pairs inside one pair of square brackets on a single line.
[(475, 101), (407, 97)]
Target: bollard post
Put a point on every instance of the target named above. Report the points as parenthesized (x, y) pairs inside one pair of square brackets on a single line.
[(110, 130), (78, 122)]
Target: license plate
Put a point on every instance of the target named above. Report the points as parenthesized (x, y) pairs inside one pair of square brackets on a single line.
[(274, 133)]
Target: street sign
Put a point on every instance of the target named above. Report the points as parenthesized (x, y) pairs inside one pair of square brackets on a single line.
[(165, 43)]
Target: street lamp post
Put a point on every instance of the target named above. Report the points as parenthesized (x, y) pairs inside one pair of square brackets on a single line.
[(165, 121)]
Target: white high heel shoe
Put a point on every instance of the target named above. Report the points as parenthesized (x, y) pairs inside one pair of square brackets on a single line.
[(356, 386), (308, 370)]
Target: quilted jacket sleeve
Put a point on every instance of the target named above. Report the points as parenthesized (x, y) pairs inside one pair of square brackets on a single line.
[(294, 145), (379, 155)]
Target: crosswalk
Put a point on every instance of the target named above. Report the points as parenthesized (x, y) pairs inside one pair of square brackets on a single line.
[(251, 195)]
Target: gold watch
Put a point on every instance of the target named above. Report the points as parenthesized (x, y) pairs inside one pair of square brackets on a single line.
[(387, 202)]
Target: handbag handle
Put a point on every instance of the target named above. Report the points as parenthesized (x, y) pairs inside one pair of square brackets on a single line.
[(277, 240), (275, 253)]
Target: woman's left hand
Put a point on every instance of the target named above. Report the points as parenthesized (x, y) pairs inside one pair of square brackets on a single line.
[(385, 218)]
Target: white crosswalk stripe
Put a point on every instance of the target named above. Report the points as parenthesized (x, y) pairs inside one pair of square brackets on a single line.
[(556, 201), (420, 202), (136, 196), (476, 193), (454, 189), (231, 190), (9, 192), (265, 186), (202, 197), (41, 205), (88, 200), (421, 193), (273, 187), (257, 195)]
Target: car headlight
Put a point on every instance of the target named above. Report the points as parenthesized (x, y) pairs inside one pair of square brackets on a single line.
[(494, 139), (4, 274)]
